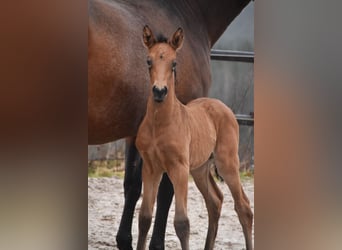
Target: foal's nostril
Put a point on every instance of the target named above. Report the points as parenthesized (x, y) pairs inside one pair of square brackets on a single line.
[(154, 89), (158, 93)]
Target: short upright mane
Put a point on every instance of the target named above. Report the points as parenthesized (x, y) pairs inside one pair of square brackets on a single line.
[(161, 38)]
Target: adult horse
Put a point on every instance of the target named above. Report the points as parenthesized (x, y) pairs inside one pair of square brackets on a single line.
[(118, 83)]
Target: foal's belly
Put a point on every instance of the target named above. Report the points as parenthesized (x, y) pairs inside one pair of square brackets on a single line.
[(200, 155), (203, 139)]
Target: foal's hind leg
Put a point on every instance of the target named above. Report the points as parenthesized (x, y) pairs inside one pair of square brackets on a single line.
[(213, 199), (227, 162)]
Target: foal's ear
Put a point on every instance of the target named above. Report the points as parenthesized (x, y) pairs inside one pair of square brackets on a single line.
[(177, 39), (148, 37)]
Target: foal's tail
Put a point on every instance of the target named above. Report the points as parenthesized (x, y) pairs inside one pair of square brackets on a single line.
[(213, 165), (219, 177)]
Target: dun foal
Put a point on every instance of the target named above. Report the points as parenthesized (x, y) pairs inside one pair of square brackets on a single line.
[(178, 139)]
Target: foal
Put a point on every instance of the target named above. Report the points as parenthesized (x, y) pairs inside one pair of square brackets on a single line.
[(178, 139)]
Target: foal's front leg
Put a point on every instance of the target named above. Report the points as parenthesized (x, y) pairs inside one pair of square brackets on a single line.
[(151, 180), (179, 177)]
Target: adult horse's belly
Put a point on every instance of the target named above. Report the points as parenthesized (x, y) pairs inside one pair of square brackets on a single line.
[(115, 107), (117, 94), (112, 124), (118, 80)]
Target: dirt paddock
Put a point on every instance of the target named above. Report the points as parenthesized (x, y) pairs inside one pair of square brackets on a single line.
[(105, 204)]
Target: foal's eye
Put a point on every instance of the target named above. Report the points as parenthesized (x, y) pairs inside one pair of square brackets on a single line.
[(174, 64), (149, 63)]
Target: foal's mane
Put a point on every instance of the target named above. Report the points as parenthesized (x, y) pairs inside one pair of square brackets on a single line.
[(161, 38)]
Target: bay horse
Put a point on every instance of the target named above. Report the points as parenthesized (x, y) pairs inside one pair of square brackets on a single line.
[(178, 139), (118, 84)]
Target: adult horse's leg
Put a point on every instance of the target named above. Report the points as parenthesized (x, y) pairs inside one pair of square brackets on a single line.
[(213, 199), (132, 189), (165, 195)]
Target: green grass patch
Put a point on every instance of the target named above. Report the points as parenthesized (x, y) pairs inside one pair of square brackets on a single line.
[(247, 175), (111, 168), (106, 168)]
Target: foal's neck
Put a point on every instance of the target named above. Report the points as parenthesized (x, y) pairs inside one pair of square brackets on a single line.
[(165, 112)]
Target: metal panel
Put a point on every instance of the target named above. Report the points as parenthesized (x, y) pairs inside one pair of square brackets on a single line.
[(236, 56), (231, 55)]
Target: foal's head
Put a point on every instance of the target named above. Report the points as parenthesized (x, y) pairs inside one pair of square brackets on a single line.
[(161, 61)]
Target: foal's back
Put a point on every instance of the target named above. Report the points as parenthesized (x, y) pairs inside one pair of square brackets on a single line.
[(211, 122)]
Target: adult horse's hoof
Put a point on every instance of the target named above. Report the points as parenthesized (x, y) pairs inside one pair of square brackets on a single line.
[(156, 246), (124, 242)]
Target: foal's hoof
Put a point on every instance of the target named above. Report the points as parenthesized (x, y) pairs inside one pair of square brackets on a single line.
[(124, 243)]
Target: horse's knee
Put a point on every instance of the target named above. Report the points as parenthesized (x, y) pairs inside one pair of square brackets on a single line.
[(182, 227)]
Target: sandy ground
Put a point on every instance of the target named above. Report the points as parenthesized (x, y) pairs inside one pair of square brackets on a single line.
[(105, 204)]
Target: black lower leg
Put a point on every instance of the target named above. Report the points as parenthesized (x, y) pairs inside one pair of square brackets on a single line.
[(132, 189), (165, 195)]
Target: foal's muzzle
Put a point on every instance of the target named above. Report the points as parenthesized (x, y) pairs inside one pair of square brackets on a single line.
[(159, 94)]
